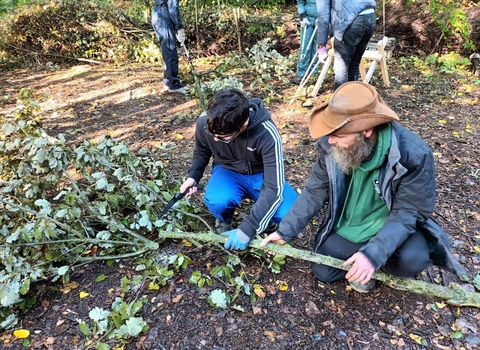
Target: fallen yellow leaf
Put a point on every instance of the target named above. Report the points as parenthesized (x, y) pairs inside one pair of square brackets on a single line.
[(258, 290), (415, 337), (440, 305), (21, 333), (178, 136), (282, 285), (187, 243), (83, 295), (153, 286)]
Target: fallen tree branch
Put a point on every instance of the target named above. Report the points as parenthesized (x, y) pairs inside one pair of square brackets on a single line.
[(454, 295)]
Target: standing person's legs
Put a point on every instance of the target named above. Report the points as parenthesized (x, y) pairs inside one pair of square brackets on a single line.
[(348, 52), (342, 56), (224, 193), (359, 34), (306, 52), (166, 37), (170, 61)]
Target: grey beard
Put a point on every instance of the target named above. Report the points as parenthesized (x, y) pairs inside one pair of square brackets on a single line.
[(353, 156)]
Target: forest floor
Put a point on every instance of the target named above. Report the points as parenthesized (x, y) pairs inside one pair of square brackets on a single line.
[(296, 311)]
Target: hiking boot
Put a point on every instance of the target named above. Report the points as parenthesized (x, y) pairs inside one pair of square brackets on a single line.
[(166, 89), (363, 288), (272, 227), (297, 80), (179, 90), (222, 226)]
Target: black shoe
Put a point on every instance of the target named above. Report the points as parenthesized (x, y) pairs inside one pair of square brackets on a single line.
[(271, 228), (297, 80), (222, 226), (363, 288)]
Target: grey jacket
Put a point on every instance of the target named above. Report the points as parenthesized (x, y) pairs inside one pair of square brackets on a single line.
[(407, 185), (337, 15)]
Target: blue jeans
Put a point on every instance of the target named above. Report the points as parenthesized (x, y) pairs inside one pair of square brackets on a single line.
[(412, 257), (226, 189), (349, 51), (165, 32), (307, 53)]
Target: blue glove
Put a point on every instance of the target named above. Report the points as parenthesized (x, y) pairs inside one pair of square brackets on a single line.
[(237, 239)]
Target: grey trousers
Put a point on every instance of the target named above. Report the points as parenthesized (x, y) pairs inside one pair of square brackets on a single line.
[(411, 258)]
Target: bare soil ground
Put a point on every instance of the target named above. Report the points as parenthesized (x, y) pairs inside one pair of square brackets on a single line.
[(84, 102)]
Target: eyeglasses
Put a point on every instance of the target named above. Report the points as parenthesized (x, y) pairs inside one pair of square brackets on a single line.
[(222, 138)]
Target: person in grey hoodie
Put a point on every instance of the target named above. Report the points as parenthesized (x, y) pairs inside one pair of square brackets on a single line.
[(352, 23), (378, 179), (247, 163)]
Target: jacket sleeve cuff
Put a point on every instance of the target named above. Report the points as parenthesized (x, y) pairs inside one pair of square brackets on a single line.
[(284, 237), (242, 236), (376, 264), (247, 230)]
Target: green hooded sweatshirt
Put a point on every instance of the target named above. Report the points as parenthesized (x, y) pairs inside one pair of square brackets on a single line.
[(364, 212)]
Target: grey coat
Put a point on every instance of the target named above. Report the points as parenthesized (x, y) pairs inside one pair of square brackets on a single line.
[(406, 184), (336, 16)]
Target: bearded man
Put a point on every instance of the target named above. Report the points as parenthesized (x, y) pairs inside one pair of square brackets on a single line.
[(378, 179)]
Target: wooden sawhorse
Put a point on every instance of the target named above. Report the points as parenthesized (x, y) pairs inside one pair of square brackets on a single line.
[(375, 56)]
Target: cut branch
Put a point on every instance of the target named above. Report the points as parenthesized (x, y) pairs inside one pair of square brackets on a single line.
[(454, 295)]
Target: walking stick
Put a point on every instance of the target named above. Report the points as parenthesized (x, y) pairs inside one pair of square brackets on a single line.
[(307, 76), (309, 44)]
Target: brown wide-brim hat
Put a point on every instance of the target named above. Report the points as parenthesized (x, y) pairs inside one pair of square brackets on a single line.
[(354, 107)]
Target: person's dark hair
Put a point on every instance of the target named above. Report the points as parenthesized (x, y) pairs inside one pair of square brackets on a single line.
[(227, 111)]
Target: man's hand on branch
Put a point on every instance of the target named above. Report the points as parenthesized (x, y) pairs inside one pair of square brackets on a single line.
[(362, 269), (274, 238)]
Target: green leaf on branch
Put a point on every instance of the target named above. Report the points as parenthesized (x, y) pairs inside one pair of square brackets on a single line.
[(85, 329), (133, 327)]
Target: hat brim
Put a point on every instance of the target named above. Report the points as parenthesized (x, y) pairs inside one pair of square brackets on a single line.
[(350, 123)]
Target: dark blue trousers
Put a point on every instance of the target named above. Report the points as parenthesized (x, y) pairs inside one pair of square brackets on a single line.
[(411, 258)]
